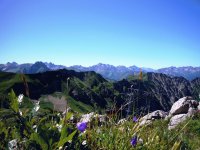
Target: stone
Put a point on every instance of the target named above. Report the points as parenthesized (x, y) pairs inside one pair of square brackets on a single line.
[(182, 106), (198, 108), (177, 119), (191, 112), (147, 119), (181, 110)]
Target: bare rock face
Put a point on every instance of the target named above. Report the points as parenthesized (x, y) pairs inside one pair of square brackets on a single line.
[(147, 119), (181, 110), (198, 107), (182, 106), (175, 120)]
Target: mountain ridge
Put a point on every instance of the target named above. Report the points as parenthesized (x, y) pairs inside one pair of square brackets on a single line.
[(110, 72), (155, 91)]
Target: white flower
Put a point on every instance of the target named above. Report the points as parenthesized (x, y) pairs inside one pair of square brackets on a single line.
[(102, 118), (68, 109), (84, 142), (20, 112), (98, 130), (37, 106), (122, 121), (20, 98), (72, 117), (12, 145), (59, 127), (140, 141), (87, 117), (96, 115), (60, 148), (35, 127), (64, 112), (70, 141)]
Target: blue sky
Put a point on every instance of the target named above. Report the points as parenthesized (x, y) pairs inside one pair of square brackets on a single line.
[(146, 33)]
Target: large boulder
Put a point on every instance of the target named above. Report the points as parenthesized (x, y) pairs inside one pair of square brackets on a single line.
[(181, 110), (175, 120), (147, 119), (198, 107), (182, 106)]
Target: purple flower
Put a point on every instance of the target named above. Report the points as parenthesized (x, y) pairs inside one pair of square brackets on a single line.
[(81, 126), (135, 119), (134, 141)]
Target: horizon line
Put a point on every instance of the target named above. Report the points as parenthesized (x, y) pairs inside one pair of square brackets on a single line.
[(102, 64)]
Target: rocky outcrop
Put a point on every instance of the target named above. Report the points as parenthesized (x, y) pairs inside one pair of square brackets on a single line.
[(175, 120), (169, 89), (181, 110), (183, 105), (158, 114), (156, 91)]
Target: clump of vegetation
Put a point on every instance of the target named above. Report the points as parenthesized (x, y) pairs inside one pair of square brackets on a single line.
[(35, 125)]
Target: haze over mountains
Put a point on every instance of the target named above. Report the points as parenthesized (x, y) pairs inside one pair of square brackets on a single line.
[(109, 72)]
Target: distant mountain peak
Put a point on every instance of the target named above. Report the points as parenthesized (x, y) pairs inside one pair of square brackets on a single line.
[(108, 71), (11, 63)]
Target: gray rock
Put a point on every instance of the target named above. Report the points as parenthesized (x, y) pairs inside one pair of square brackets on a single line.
[(181, 110), (198, 108), (147, 119), (175, 120), (182, 106), (191, 112)]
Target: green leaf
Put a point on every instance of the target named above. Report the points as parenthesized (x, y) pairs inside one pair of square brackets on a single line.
[(63, 140), (39, 140), (64, 132), (13, 99), (68, 115)]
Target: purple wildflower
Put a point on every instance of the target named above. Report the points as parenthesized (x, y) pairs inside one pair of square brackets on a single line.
[(135, 119), (134, 141), (81, 126)]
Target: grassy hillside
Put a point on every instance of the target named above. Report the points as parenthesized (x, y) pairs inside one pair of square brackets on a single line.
[(77, 88), (44, 128)]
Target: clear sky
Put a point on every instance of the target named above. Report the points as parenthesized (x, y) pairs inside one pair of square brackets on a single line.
[(146, 33)]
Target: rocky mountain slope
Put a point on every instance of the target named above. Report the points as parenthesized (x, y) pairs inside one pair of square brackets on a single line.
[(155, 91), (158, 90)]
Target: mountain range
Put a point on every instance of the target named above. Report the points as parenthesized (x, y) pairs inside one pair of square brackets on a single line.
[(109, 72), (89, 91)]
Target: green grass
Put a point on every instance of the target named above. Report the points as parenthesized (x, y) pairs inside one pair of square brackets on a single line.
[(78, 105), (155, 136), (104, 136), (136, 77), (9, 80)]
